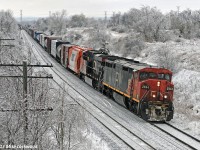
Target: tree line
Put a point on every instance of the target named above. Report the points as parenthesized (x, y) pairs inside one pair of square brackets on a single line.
[(149, 22)]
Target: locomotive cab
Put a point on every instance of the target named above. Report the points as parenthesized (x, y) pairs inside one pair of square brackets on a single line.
[(155, 92)]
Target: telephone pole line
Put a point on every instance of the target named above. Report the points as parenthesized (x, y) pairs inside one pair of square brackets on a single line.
[(1, 46), (25, 89), (105, 19), (5, 45)]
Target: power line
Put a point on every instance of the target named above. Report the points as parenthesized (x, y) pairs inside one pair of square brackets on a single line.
[(5, 45), (25, 91)]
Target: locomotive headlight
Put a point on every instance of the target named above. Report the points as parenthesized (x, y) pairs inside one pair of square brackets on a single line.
[(165, 96), (145, 86), (158, 83), (170, 88), (153, 95)]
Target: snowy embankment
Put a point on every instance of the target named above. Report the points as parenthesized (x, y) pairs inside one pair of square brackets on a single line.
[(183, 56), (187, 101)]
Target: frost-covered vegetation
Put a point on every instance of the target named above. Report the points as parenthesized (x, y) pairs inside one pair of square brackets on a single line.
[(170, 40), (57, 129)]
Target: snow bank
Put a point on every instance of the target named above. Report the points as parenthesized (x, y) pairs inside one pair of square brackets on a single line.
[(97, 142), (187, 82)]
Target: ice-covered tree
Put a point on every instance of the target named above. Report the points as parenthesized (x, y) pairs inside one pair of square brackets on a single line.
[(7, 22), (78, 21), (57, 22)]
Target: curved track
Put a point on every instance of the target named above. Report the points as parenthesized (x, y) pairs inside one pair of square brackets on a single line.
[(133, 131), (118, 130)]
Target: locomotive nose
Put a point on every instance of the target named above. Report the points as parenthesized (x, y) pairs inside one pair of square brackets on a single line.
[(158, 90), (163, 94)]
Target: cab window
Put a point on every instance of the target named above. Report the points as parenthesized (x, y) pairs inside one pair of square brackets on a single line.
[(164, 76), (167, 77), (152, 75), (143, 75), (161, 76)]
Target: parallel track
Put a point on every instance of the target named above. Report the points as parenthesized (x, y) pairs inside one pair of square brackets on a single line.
[(195, 144), (195, 139), (71, 86), (74, 89)]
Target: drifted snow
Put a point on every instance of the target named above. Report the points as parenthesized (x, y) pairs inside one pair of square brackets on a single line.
[(97, 142), (187, 101)]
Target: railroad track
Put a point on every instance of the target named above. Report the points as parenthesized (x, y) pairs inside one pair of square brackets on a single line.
[(119, 123), (178, 134), (118, 129)]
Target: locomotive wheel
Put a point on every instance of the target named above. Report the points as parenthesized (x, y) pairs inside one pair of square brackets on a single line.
[(133, 106), (126, 102), (130, 104), (143, 114)]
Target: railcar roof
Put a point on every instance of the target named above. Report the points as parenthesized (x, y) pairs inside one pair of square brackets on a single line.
[(129, 63), (125, 62), (136, 65)]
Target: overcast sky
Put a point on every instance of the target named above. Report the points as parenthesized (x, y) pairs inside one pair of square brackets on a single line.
[(91, 8)]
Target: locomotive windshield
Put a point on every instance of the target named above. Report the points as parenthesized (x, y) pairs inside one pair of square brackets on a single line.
[(152, 75), (164, 76)]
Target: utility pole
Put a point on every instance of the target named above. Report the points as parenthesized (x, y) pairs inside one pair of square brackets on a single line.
[(25, 101), (106, 18), (21, 16), (49, 13), (178, 9), (62, 121)]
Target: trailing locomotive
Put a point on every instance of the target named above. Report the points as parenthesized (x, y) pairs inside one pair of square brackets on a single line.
[(143, 89)]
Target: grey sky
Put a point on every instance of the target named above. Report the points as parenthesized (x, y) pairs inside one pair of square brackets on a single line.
[(91, 8)]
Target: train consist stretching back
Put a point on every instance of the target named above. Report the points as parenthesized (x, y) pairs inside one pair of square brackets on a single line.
[(145, 90)]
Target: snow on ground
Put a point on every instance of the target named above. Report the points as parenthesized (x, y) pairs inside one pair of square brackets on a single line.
[(187, 101), (117, 35)]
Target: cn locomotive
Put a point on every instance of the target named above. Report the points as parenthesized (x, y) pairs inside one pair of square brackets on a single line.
[(143, 89)]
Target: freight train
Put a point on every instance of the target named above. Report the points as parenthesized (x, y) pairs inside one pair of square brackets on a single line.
[(143, 89)]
